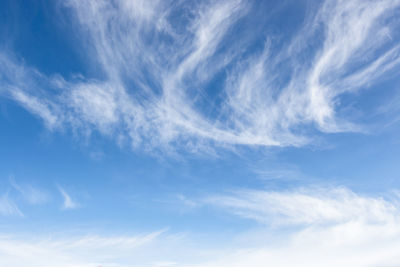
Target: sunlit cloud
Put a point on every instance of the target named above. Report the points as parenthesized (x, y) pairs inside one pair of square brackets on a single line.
[(156, 68)]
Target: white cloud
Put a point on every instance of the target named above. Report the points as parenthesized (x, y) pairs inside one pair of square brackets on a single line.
[(311, 227), (352, 39), (165, 263), (68, 202), (307, 206), (35, 106), (348, 244), (72, 251), (90, 100), (156, 62), (8, 206), (32, 194)]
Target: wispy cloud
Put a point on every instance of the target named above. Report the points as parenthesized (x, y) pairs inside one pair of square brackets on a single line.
[(157, 63), (348, 244), (8, 206), (331, 227), (307, 206), (70, 251), (32, 194), (68, 202)]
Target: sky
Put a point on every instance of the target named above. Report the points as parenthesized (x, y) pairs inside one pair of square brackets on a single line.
[(199, 133)]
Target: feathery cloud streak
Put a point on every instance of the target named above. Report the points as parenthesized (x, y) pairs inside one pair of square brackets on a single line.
[(8, 206), (68, 202), (159, 64), (331, 227), (32, 195), (82, 251), (307, 206)]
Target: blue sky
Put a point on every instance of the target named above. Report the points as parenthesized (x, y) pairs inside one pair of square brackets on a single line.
[(199, 133)]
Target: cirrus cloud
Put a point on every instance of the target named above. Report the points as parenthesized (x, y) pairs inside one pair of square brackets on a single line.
[(159, 63)]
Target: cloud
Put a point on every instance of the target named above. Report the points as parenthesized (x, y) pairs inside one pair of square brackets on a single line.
[(27, 86), (165, 263), (72, 251), (33, 195), (158, 65), (8, 206), (307, 206), (353, 34), (314, 226), (310, 227), (348, 244), (68, 202)]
